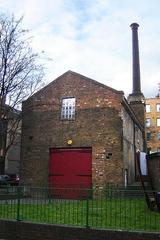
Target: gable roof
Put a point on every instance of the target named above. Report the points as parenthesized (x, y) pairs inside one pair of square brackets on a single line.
[(94, 82), (124, 101), (81, 76)]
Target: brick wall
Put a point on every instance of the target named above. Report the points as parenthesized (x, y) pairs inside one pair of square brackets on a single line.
[(139, 109), (85, 132), (132, 141), (13, 230), (98, 124), (154, 169)]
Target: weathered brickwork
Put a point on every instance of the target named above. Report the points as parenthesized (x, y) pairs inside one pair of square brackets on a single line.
[(139, 109), (154, 168), (132, 141), (98, 124)]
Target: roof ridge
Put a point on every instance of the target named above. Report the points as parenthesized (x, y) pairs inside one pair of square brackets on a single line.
[(82, 76)]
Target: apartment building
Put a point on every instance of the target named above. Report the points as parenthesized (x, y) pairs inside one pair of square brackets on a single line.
[(153, 124)]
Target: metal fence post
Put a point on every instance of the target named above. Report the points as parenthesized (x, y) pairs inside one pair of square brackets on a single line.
[(87, 209), (18, 203)]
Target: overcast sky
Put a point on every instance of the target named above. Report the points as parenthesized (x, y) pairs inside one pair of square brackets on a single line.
[(93, 38)]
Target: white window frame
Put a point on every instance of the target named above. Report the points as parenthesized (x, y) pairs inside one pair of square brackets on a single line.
[(148, 107), (68, 108), (158, 107), (158, 122), (148, 122), (158, 136)]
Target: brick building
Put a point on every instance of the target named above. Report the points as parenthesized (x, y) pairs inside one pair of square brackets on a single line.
[(78, 132), (153, 124), (98, 118), (10, 141)]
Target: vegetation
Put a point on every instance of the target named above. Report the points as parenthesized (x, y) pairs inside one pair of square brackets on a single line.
[(20, 77), (125, 214)]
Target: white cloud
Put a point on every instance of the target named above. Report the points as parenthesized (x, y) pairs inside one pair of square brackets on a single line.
[(94, 38)]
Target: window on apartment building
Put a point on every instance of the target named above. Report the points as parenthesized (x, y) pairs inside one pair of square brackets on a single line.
[(148, 136), (148, 107), (148, 122), (158, 122), (158, 135), (158, 107), (148, 150), (68, 108)]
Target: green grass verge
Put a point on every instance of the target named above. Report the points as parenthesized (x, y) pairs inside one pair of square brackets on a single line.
[(125, 214)]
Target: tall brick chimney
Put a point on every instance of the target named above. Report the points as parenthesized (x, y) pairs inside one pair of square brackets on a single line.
[(136, 98), (135, 55)]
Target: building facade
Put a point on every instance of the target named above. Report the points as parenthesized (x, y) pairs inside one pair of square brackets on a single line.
[(76, 131), (10, 141), (153, 124)]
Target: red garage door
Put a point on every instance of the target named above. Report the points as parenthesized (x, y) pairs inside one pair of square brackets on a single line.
[(70, 172)]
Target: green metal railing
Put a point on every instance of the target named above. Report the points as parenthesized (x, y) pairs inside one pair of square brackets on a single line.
[(112, 208)]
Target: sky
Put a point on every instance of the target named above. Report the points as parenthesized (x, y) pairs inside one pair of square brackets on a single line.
[(93, 38)]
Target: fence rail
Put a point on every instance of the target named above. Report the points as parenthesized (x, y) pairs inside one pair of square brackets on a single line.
[(112, 208)]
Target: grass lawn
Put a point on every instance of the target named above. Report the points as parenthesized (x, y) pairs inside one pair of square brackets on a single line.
[(128, 214)]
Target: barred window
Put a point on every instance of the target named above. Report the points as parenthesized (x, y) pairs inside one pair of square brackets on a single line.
[(68, 108)]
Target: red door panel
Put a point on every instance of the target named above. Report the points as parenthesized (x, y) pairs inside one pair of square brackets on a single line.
[(70, 168)]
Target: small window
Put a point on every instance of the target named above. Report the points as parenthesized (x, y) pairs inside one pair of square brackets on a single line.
[(158, 107), (68, 108), (158, 135), (158, 122), (148, 136), (148, 108), (148, 150), (148, 122)]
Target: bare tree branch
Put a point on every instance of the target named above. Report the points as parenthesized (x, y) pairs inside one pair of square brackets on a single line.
[(20, 75)]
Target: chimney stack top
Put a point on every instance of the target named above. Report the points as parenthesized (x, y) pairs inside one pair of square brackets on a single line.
[(134, 25)]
